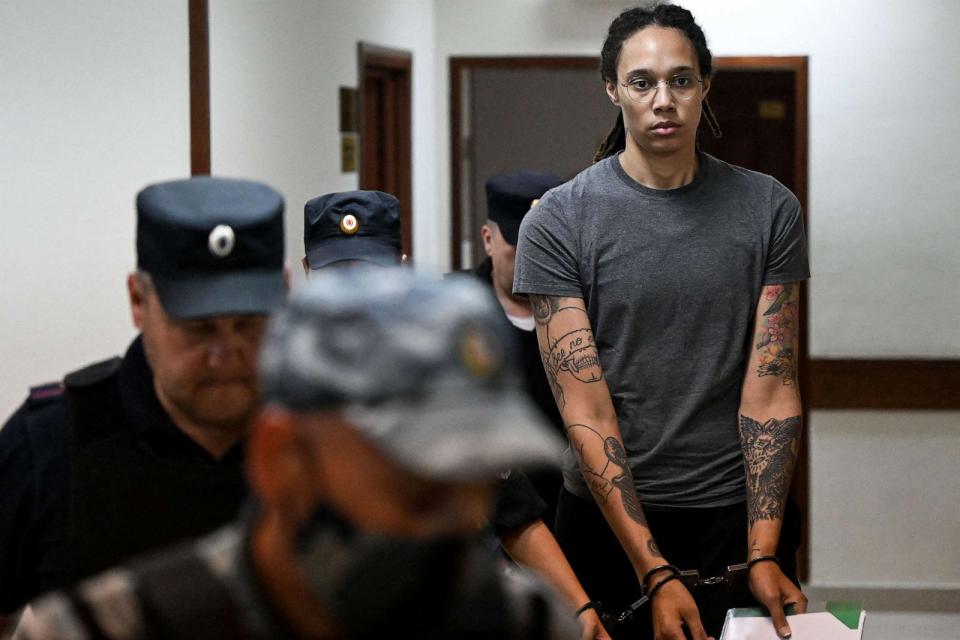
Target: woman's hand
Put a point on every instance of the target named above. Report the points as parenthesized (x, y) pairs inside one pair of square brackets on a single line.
[(673, 608), (775, 590)]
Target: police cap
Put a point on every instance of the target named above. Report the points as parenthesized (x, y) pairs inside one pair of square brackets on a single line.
[(511, 195), (352, 225), (419, 366), (212, 246)]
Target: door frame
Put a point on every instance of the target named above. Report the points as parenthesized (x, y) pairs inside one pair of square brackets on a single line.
[(398, 61), (462, 63)]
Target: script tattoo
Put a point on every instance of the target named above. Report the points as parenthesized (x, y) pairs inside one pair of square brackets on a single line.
[(574, 352), (769, 454), (777, 339), (615, 473)]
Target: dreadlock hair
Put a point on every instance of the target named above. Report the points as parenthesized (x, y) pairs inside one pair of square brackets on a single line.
[(625, 25)]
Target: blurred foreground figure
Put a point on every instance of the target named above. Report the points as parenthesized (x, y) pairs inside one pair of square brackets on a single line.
[(389, 411), (362, 229), (143, 451)]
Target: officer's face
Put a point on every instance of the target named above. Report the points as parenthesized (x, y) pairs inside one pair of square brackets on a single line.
[(502, 254), (204, 369)]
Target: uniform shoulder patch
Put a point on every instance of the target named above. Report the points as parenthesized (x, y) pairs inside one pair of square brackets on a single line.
[(93, 374), (43, 393)]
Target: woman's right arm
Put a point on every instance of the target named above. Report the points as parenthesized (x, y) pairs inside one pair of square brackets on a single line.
[(572, 364)]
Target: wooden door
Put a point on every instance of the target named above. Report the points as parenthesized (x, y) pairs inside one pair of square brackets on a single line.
[(385, 128)]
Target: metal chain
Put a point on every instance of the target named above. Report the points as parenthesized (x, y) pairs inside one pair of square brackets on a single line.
[(733, 575)]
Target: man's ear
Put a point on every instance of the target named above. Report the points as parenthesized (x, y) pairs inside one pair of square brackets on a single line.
[(706, 86), (280, 473), (612, 93), (138, 299), (486, 233)]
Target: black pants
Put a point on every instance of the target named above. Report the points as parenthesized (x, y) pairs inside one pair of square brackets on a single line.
[(707, 539)]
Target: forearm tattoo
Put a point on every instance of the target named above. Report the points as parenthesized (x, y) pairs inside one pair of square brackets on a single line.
[(613, 475), (573, 351), (777, 338), (769, 454)]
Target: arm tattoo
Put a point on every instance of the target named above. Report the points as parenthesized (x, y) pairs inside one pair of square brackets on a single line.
[(778, 340), (615, 474), (544, 307), (769, 454), (574, 352)]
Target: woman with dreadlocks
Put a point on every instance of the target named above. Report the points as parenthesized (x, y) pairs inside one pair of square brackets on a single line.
[(665, 286)]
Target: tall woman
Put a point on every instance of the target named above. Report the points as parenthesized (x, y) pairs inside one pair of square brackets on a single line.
[(665, 285)]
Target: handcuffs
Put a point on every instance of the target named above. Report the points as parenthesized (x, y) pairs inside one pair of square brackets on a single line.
[(732, 576)]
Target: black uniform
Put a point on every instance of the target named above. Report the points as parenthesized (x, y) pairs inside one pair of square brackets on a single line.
[(94, 471), (547, 483), (208, 590)]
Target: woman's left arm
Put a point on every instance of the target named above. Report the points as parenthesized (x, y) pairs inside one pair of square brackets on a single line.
[(770, 428)]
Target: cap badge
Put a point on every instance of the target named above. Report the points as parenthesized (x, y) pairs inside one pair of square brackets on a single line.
[(222, 240), (534, 202), (477, 353), (349, 224)]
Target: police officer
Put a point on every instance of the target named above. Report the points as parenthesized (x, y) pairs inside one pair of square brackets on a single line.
[(351, 228), (509, 197), (140, 451), (389, 409)]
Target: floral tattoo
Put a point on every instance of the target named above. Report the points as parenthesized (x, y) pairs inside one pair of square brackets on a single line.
[(777, 340)]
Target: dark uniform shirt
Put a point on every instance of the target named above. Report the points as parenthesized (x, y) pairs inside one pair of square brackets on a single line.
[(37, 541), (209, 590), (546, 483)]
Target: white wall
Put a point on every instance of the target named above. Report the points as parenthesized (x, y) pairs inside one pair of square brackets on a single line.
[(884, 493), (94, 106), (275, 70), (884, 191)]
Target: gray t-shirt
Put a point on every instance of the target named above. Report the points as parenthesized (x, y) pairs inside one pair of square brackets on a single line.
[(671, 280)]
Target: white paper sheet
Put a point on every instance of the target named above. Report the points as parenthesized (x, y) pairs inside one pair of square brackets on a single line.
[(805, 626)]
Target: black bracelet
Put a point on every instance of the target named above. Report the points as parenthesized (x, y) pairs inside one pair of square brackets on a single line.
[(774, 559), (663, 567), (659, 585), (593, 604)]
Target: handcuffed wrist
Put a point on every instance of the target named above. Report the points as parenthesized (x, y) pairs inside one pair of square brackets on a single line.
[(593, 604), (659, 585), (657, 569), (768, 558)]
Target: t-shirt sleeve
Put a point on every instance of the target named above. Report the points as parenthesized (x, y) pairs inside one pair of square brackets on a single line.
[(547, 249), (787, 254)]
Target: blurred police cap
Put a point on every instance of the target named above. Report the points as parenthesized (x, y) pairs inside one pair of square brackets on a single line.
[(418, 365)]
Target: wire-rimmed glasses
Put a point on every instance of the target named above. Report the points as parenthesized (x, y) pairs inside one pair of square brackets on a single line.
[(682, 86)]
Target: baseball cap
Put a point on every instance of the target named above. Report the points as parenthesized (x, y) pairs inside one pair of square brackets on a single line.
[(420, 366), (212, 246)]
